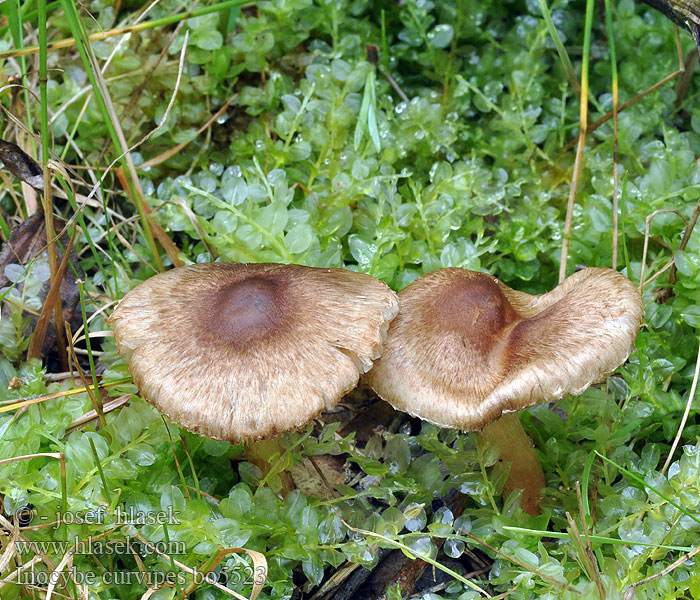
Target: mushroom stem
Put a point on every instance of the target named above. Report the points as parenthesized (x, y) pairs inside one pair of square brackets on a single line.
[(516, 447), (259, 453)]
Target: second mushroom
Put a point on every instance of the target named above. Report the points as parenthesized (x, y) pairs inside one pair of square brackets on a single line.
[(467, 352)]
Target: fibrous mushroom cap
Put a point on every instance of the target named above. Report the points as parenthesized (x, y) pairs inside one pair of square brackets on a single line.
[(466, 348), (237, 351)]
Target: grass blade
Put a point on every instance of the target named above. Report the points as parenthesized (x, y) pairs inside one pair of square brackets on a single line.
[(559, 45), (638, 480), (103, 35), (583, 125), (110, 118), (613, 66), (48, 197)]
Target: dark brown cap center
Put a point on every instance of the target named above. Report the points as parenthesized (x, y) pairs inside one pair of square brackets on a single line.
[(477, 310), (246, 311)]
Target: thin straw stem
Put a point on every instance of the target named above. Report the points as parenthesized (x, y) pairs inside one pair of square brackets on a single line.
[(613, 66), (103, 35), (583, 124)]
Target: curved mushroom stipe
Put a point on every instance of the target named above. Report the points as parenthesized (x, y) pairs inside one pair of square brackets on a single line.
[(247, 351), (466, 348)]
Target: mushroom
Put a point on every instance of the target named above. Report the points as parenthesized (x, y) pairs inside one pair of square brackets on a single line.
[(465, 349), (243, 352)]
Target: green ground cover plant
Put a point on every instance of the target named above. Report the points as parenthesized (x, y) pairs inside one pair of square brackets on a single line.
[(389, 138)]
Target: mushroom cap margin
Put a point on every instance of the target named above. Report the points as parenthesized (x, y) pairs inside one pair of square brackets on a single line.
[(438, 366), (303, 346)]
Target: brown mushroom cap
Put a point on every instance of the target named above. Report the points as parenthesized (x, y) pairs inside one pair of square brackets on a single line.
[(466, 348), (236, 351)]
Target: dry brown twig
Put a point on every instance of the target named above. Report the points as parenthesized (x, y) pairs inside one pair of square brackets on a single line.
[(133, 177), (96, 402), (160, 234), (92, 414), (151, 71), (649, 219), (175, 149), (687, 232), (605, 118), (258, 561), (586, 557), (629, 592), (521, 564)]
